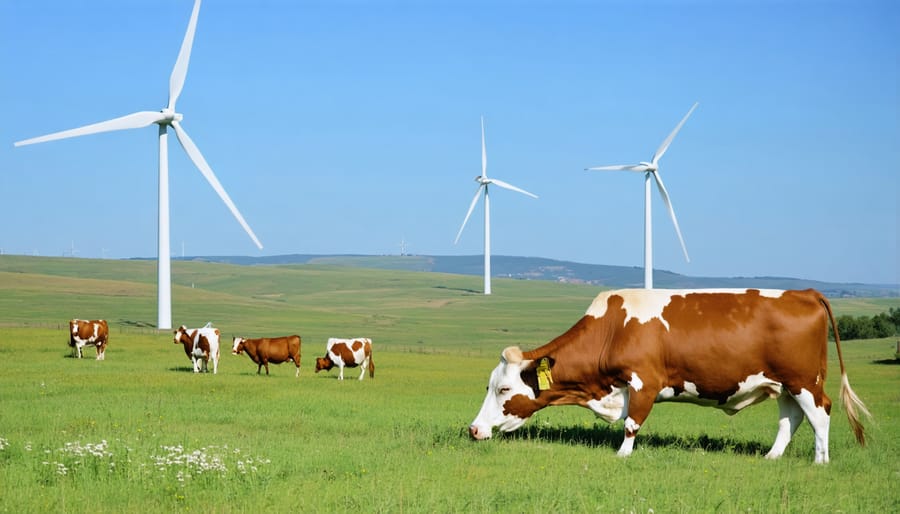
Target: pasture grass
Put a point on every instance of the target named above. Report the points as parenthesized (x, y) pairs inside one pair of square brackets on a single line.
[(139, 432)]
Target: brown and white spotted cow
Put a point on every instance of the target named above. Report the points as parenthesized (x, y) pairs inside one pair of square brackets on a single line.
[(727, 349), (264, 350), (348, 353), (201, 345), (93, 332)]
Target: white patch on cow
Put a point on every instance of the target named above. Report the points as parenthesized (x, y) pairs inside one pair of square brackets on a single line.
[(611, 407), (631, 425), (636, 383), (665, 394), (688, 394), (645, 305), (237, 342), (752, 390)]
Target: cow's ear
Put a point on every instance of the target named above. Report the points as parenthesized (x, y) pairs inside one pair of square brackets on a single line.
[(512, 355)]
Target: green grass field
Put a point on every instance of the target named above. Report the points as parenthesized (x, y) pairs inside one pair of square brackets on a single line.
[(139, 432)]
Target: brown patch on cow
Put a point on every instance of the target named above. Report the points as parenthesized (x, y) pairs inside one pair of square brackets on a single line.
[(346, 355), (521, 406)]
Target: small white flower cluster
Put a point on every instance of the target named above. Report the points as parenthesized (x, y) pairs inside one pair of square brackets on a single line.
[(80, 452), (197, 461), (4, 443), (99, 450)]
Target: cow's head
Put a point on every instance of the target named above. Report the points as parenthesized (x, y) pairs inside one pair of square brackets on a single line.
[(181, 335), (324, 363), (238, 347), (508, 403)]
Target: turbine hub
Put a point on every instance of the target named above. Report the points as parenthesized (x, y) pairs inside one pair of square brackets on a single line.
[(650, 166), (170, 116)]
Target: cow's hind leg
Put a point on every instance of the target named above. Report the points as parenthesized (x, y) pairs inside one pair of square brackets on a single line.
[(820, 420), (790, 415)]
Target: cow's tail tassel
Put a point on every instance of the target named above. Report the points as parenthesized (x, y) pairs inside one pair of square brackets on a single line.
[(852, 404), (371, 367)]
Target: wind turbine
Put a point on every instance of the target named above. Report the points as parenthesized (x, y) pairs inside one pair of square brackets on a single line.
[(651, 169), (483, 182), (167, 117)]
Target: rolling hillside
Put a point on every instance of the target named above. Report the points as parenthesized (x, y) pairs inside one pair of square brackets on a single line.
[(536, 268)]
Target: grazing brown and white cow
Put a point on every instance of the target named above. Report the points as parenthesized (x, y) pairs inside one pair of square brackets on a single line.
[(264, 350), (348, 353), (727, 349), (93, 332), (201, 345)]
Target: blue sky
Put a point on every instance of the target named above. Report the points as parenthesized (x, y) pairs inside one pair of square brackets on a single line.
[(344, 127)]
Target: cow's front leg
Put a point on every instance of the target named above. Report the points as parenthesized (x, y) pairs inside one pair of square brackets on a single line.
[(196, 363), (638, 404), (341, 374)]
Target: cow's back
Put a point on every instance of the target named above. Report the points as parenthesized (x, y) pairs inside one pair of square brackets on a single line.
[(279, 349)]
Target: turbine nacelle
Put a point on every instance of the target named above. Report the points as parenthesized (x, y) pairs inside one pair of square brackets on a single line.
[(650, 166), (169, 116)]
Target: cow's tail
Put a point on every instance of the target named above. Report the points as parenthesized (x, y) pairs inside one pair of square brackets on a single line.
[(371, 366), (852, 404)]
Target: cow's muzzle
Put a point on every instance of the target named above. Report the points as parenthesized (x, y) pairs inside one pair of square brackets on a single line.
[(478, 434)]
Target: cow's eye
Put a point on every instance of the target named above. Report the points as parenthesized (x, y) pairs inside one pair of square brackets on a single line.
[(504, 390)]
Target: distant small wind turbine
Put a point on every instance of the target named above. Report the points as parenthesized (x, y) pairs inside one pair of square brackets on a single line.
[(167, 117), (652, 169), (483, 182)]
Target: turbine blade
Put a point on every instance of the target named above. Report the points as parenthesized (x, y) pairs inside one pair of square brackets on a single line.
[(207, 172), (131, 121), (483, 151), (511, 187), (620, 167), (665, 197), (179, 72), (471, 208), (665, 144)]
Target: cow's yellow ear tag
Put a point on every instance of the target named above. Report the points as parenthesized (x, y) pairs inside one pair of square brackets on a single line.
[(543, 374)]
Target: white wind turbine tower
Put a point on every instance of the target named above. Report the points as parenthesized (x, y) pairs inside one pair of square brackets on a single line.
[(165, 118), (652, 169), (483, 182)]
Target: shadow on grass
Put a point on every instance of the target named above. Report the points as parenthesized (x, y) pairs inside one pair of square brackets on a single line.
[(612, 436), (889, 362), (462, 289), (182, 369)]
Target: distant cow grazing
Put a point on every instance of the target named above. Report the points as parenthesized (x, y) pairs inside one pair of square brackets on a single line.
[(264, 350), (348, 353), (727, 349), (201, 345), (93, 332)]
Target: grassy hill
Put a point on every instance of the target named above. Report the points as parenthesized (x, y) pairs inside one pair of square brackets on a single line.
[(326, 297), (536, 268)]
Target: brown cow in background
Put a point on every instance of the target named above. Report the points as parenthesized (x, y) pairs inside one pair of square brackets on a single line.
[(264, 350)]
